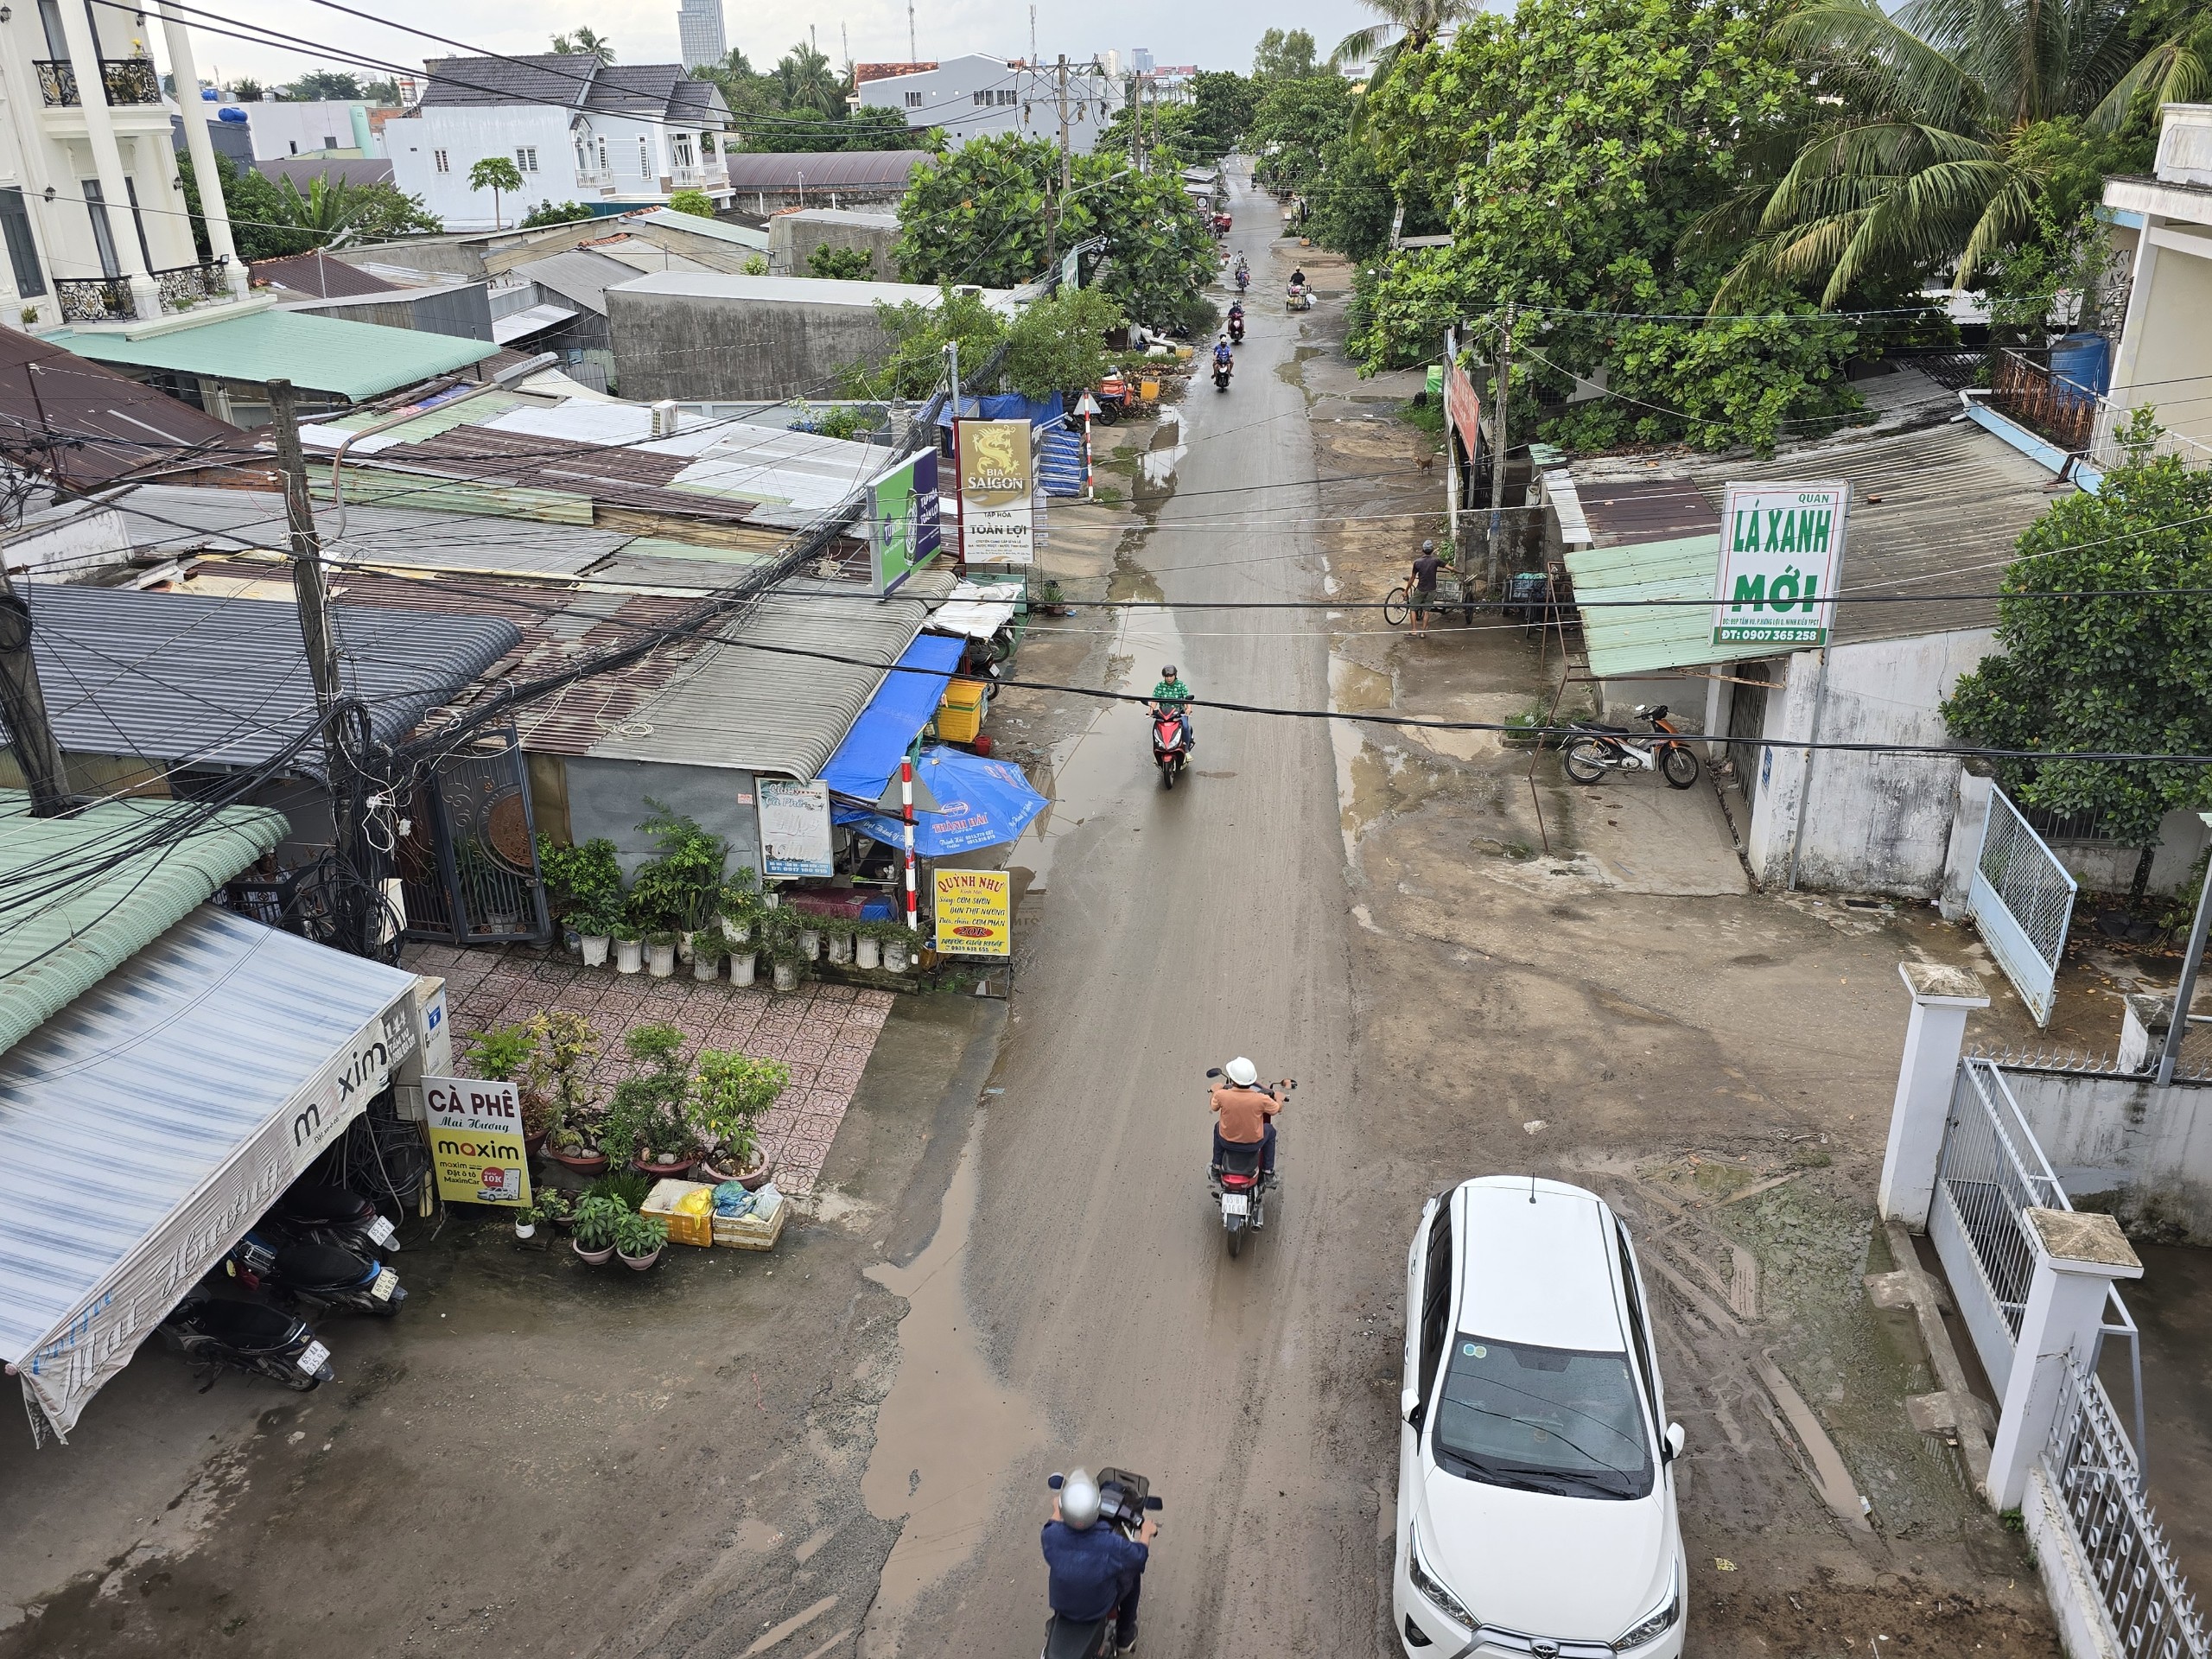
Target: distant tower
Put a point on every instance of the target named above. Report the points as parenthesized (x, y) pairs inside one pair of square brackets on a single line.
[(1140, 59), (699, 31)]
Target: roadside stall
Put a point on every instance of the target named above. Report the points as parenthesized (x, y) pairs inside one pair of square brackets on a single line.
[(964, 804)]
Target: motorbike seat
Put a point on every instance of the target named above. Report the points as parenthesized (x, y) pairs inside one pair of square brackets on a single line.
[(321, 1267), (1067, 1638), (250, 1327), (1237, 1159), (318, 1206)]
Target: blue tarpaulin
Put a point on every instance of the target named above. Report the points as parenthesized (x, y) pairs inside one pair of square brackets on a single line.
[(1007, 406), (894, 718), (979, 803)]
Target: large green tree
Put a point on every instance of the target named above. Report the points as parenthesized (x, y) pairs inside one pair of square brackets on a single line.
[(1296, 121), (918, 333), (1283, 54), (1577, 142), (799, 105), (2118, 675), (270, 220), (1401, 26)]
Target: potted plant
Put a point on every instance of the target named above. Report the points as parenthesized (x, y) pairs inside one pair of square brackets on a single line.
[(596, 1220), (809, 943), (648, 1128), (660, 954), (502, 1055), (841, 945), (867, 945), (678, 890), (897, 946), (526, 1223), (741, 965), (639, 1240), (780, 943), (708, 950), (594, 934), (738, 905), (563, 1047), (629, 947), (554, 1208), (730, 1094)]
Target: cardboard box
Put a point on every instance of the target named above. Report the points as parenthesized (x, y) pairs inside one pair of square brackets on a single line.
[(687, 1207)]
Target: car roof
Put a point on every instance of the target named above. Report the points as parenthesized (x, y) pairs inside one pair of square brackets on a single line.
[(1537, 1272)]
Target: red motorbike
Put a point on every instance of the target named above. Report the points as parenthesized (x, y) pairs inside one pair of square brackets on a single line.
[(1171, 744)]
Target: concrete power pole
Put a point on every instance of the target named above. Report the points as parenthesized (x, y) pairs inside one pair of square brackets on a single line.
[(1498, 447), (913, 52), (23, 704), (1052, 221)]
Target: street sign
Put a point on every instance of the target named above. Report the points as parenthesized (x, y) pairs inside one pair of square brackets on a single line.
[(1781, 547), (974, 912), (997, 488), (903, 531), (1086, 406), (794, 828), (476, 1140)]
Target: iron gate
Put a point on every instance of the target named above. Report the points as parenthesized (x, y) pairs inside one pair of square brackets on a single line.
[(2022, 899), (468, 864)]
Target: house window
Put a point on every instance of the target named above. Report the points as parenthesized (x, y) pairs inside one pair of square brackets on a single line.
[(330, 141), (102, 232), (913, 100), (295, 144), (23, 248), (526, 157), (438, 157), (645, 158), (1009, 97), (680, 149)]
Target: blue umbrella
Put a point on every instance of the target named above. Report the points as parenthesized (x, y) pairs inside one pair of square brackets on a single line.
[(979, 803)]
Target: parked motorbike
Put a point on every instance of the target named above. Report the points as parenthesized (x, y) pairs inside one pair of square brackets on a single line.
[(1113, 396), (315, 1277), (249, 1336), (1597, 749), (336, 1216), (1123, 1500), (1235, 1180), (1170, 745)]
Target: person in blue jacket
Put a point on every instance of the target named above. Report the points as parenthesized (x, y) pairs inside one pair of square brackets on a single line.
[(1096, 1571)]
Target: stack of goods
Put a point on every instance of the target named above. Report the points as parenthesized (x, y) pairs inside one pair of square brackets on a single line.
[(748, 1221)]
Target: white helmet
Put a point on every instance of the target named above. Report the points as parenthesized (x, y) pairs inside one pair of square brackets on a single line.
[(1242, 1072), (1079, 1500)]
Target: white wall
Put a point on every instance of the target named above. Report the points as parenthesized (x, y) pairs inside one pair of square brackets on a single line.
[(2143, 1151), (279, 130), (467, 137), (1878, 823), (1025, 101)]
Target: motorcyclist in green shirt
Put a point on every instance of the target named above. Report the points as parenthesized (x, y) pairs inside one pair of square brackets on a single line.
[(1171, 695)]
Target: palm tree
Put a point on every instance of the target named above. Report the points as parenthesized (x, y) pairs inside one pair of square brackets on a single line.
[(806, 81), (1413, 23), (1912, 160), (585, 43)]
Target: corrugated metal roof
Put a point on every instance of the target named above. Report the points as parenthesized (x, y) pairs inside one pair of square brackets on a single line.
[(180, 1074), (117, 425), (759, 710), (520, 325), (53, 951), (223, 681), (319, 275), (1937, 509), (353, 359), (578, 275), (714, 230), (726, 287), (825, 171)]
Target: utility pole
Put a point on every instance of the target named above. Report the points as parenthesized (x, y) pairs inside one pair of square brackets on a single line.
[(1053, 219), (1136, 124), (1498, 450), (2185, 992), (25, 706)]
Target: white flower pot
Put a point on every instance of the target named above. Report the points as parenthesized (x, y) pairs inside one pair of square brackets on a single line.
[(736, 933), (868, 951), (740, 968), (526, 1230), (706, 967), (683, 942), (594, 948), (809, 943), (841, 948), (660, 960), (894, 955), (629, 955), (786, 976), (772, 899)]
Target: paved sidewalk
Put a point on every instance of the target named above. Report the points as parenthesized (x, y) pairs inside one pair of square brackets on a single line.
[(824, 1033)]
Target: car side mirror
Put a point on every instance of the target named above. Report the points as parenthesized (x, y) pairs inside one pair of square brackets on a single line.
[(1676, 1439), (1409, 1406)]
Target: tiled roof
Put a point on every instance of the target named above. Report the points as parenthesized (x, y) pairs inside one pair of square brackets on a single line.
[(574, 80), (864, 72), (318, 275)]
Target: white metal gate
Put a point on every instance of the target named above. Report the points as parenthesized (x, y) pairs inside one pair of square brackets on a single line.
[(2022, 899)]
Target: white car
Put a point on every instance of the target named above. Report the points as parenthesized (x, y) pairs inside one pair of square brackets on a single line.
[(1535, 1462)]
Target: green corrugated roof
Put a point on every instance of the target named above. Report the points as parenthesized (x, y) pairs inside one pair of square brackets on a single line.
[(110, 901), (1637, 639), (355, 360)]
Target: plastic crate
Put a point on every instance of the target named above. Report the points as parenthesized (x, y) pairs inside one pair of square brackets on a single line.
[(750, 1232), (691, 1223), (960, 716)]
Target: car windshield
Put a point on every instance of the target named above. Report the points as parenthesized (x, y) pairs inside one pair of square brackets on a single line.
[(1546, 1420)]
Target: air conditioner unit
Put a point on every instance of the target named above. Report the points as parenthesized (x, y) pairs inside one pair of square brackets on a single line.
[(665, 417)]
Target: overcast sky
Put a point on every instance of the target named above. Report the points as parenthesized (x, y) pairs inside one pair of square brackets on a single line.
[(1218, 37)]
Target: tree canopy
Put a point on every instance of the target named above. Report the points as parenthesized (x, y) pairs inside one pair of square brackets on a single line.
[(1281, 55), (799, 105), (270, 220), (585, 43)]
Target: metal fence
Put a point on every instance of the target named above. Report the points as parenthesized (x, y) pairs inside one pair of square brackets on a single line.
[(2100, 1481), (2027, 393), (2022, 899), (2106, 451)]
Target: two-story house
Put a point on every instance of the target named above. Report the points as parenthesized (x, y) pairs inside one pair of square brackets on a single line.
[(610, 137), (979, 96), (91, 207)]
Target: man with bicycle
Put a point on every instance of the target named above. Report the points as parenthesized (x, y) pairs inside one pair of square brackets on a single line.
[(1421, 587)]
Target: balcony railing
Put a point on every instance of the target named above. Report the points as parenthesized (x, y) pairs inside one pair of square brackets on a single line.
[(2074, 418), (95, 299), (129, 80), (182, 287), (594, 178), (713, 174)]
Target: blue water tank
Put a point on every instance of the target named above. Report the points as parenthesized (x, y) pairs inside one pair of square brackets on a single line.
[(2083, 361), (230, 112), (211, 94)]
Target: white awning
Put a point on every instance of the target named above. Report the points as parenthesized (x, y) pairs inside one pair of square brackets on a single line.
[(147, 1124), (969, 609)]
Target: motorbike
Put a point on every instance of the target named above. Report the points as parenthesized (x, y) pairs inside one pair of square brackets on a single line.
[(248, 1337), (1237, 327), (336, 1216), (315, 1277), (1298, 297), (1221, 370), (1237, 1186), (1170, 745), (1243, 279), (1597, 749), (1123, 1500), (1113, 396)]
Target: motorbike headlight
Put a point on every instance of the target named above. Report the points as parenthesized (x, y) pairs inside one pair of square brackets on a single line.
[(1654, 1624), (1432, 1587)]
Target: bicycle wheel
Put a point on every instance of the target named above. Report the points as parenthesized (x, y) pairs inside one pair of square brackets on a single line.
[(1678, 764), (1396, 607), (1583, 759)]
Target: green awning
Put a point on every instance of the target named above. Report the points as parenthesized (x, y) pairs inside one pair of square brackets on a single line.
[(352, 359), (111, 882), (1643, 639)]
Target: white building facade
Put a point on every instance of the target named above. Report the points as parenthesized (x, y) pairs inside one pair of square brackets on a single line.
[(979, 96), (282, 129), (2162, 226), (91, 212), (609, 138), (701, 38)]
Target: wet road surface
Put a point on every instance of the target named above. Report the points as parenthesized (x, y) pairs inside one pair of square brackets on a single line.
[(1103, 1321)]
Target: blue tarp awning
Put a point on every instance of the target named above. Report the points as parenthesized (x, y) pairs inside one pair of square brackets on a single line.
[(979, 803), (894, 718), (1007, 406)]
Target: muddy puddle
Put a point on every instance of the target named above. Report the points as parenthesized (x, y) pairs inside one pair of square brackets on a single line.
[(949, 1430)]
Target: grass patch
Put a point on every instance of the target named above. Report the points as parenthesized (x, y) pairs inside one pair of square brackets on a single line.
[(1425, 413)]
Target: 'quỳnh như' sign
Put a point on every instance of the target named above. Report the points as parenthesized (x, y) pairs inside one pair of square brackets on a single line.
[(1781, 547)]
